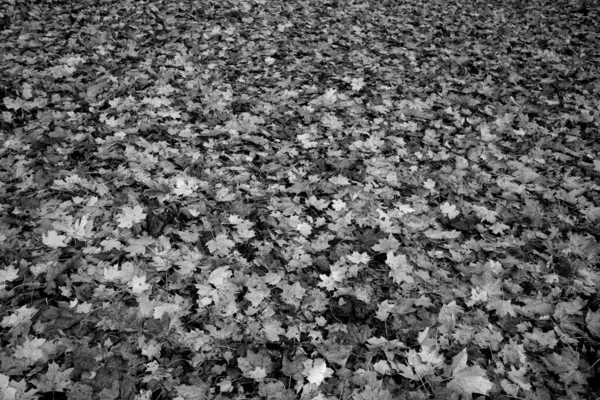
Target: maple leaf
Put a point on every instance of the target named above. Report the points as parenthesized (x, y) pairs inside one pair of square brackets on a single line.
[(139, 246), (259, 374), (338, 205), (255, 297), (328, 282), (169, 308), (468, 380), (407, 372), (592, 320), (380, 108), (488, 338), (499, 228), (21, 315), (502, 308), (207, 295), (319, 204), (429, 184), (219, 276), (421, 368), (547, 339), (11, 390), (316, 371), (562, 363), (9, 274), (329, 97), (110, 244), (518, 376), (221, 245), (150, 349), (224, 195), (339, 180), (54, 380), (112, 273), (387, 245), (8, 392), (244, 231), (82, 308), (484, 214), (382, 367), (357, 84), (358, 258), (400, 268), (31, 350), (14, 104), (449, 210), (255, 365), (272, 328), (385, 308), (82, 228), (293, 294), (486, 134), (335, 352), (54, 240), (403, 209), (331, 121), (304, 229), (192, 237), (477, 295), (131, 216), (138, 284)]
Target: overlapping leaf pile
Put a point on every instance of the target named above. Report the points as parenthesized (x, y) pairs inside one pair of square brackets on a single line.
[(299, 199)]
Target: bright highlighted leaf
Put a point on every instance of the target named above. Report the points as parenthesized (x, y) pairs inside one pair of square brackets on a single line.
[(357, 83), (84, 308), (304, 229), (54, 240), (131, 216), (449, 210), (358, 258), (316, 372), (219, 276), (8, 274), (258, 374), (468, 380), (339, 180), (400, 268), (405, 209), (138, 284), (429, 184), (338, 205), (272, 329)]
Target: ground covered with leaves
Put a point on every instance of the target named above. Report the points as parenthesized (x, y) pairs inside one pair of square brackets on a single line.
[(365, 200)]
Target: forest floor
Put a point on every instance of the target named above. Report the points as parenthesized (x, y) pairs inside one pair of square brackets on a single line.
[(364, 200)]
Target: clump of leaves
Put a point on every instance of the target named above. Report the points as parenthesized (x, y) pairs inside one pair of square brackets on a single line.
[(298, 200)]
